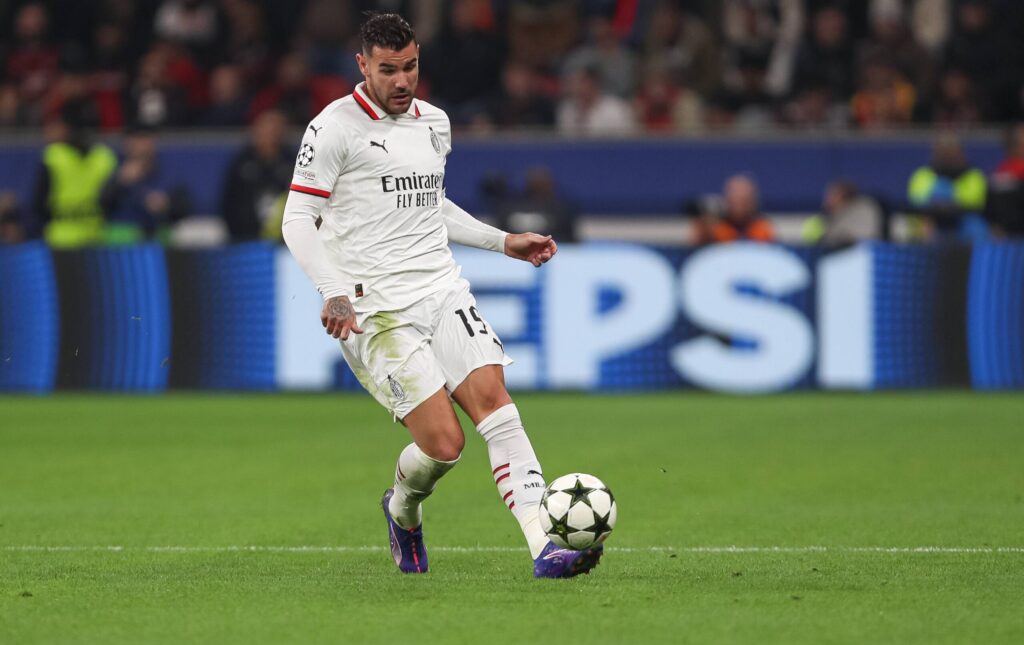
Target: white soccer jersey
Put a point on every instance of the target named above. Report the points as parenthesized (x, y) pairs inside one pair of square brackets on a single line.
[(382, 177)]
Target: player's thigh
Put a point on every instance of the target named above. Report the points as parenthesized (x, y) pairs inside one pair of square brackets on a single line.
[(463, 340), (435, 428), (482, 392), (395, 364)]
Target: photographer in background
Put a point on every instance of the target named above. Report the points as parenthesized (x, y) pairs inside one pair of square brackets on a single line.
[(848, 216), (740, 218)]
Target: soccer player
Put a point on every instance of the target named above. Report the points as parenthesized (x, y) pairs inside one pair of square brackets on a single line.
[(368, 221)]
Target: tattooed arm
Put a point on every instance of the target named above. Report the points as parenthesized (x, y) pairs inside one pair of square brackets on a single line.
[(300, 233), (339, 318)]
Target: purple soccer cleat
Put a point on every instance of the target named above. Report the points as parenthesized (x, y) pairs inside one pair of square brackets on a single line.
[(556, 562), (407, 546)]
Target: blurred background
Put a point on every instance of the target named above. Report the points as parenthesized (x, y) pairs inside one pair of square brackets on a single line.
[(751, 195)]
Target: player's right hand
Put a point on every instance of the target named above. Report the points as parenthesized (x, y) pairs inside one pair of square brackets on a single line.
[(339, 318)]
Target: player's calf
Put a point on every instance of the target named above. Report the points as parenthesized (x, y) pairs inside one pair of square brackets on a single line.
[(416, 475), (516, 471)]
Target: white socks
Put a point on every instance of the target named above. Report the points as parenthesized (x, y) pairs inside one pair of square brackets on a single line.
[(514, 466), (516, 471), (415, 477)]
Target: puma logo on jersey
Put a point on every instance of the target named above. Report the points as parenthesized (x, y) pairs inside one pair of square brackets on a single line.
[(534, 472), (374, 144), (316, 131)]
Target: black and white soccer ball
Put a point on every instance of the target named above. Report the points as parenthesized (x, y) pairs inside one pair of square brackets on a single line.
[(577, 511)]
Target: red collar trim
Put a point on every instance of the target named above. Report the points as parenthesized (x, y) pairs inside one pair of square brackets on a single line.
[(363, 103)]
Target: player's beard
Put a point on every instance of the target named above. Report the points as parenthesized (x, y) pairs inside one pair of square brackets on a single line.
[(399, 102)]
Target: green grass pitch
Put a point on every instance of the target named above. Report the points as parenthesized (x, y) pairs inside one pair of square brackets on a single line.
[(177, 485)]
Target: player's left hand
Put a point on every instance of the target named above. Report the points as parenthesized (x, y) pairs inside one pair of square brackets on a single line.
[(533, 248)]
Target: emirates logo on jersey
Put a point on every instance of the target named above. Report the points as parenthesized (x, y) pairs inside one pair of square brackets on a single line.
[(414, 190)]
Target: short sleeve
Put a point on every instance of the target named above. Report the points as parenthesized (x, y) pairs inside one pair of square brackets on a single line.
[(320, 159)]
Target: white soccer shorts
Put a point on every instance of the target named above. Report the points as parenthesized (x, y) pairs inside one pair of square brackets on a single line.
[(403, 357)]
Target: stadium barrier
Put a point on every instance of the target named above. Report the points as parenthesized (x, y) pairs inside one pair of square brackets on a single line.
[(600, 177), (743, 318)]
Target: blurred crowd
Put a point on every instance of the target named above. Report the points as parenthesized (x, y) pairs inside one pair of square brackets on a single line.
[(581, 66), (86, 193), (83, 69), (947, 199)]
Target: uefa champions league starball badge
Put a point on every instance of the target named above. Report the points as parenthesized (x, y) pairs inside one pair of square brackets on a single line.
[(306, 155)]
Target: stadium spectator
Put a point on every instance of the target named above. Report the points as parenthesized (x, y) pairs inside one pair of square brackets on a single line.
[(663, 105), (683, 44), (891, 42), (229, 105), (521, 101), (469, 37), (604, 52), (139, 199), (12, 229), (161, 63), (74, 169), (587, 110), (825, 61), (32, 61), (111, 62), (929, 22), (814, 106), (958, 103), (744, 102), (884, 97), (257, 180), (984, 51), (1006, 190), (848, 216), (325, 30), (539, 209), (541, 33), (12, 114), (740, 219), (291, 93), (154, 101), (949, 193), (196, 25), (763, 30), (248, 45)]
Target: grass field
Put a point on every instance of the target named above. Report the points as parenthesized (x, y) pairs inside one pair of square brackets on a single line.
[(129, 520)]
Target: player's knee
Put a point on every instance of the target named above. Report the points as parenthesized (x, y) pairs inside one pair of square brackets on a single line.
[(492, 401), (486, 400), (447, 451), (447, 447)]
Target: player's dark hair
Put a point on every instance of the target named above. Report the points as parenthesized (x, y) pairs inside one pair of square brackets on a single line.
[(385, 30)]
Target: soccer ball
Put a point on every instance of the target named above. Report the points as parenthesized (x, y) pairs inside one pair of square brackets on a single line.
[(577, 511)]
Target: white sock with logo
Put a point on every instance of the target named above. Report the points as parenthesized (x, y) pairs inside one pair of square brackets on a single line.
[(516, 471), (415, 477)]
